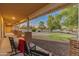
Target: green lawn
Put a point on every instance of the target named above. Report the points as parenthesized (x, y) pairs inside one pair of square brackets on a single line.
[(60, 36)]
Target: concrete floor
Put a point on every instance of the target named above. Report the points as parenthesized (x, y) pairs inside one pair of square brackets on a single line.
[(5, 47)]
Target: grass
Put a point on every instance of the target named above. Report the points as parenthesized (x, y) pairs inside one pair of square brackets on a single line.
[(60, 36)]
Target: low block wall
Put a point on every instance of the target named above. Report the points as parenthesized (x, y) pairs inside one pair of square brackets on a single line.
[(74, 47)]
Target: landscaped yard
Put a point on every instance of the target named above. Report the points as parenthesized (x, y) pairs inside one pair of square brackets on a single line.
[(53, 36), (60, 36)]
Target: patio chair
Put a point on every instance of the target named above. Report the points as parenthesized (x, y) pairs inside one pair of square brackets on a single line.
[(31, 51), (13, 46)]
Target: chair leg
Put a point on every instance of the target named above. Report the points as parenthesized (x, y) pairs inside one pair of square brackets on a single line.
[(24, 54)]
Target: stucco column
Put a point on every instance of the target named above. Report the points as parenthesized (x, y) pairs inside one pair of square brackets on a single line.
[(2, 27), (28, 34)]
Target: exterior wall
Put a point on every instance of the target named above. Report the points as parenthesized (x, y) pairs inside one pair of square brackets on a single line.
[(8, 29)]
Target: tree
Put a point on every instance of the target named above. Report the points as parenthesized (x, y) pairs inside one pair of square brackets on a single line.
[(53, 22), (50, 23), (57, 21), (70, 15), (41, 25)]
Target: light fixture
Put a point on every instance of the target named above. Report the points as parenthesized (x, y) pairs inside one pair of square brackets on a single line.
[(13, 18), (9, 24)]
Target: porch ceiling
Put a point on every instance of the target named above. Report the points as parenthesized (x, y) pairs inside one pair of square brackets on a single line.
[(15, 13)]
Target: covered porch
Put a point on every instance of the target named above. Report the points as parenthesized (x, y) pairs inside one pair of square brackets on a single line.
[(13, 14)]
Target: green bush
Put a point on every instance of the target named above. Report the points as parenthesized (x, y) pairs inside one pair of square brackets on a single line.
[(33, 29)]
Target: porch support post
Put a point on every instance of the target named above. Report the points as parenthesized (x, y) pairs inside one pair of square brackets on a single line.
[(28, 27), (78, 23)]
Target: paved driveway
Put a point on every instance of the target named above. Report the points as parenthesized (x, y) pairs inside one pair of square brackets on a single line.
[(56, 48)]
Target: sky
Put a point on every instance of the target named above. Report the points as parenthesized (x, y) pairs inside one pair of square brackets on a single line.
[(35, 22)]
